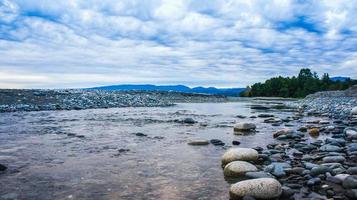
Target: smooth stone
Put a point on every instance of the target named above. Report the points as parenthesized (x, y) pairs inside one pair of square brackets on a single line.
[(198, 142), (354, 111), (334, 159), (239, 154), (244, 127), (281, 132), (2, 167), (352, 194), (217, 142), (238, 168), (315, 171), (264, 115), (350, 182), (259, 174), (235, 142), (330, 148), (352, 171), (277, 168), (189, 121), (261, 188), (314, 132), (314, 181), (141, 134)]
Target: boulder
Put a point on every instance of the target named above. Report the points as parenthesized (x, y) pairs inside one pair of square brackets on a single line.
[(242, 154), (238, 168), (244, 127), (261, 188)]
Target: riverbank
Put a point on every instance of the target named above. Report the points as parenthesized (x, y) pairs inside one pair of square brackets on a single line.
[(38, 100)]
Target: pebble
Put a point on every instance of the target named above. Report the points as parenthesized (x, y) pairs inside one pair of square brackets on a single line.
[(334, 159), (244, 127), (350, 182), (2, 167), (235, 142), (189, 121), (198, 142), (238, 168)]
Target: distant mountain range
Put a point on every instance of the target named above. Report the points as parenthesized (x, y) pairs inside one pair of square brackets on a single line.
[(175, 88), (339, 78)]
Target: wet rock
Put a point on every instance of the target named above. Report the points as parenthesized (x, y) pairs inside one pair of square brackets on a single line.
[(313, 182), (264, 115), (244, 127), (352, 194), (259, 107), (259, 174), (302, 129), (352, 171), (140, 134), (235, 142), (217, 142), (198, 142), (350, 182), (241, 116), (315, 132), (189, 121), (287, 192), (334, 159), (261, 188), (239, 154), (238, 168), (277, 168), (281, 132), (2, 167), (330, 148)]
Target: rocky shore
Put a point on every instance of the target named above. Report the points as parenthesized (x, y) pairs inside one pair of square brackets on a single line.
[(296, 167), (36, 100)]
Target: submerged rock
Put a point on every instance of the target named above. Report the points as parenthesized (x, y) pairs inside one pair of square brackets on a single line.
[(261, 188), (238, 168), (239, 154), (198, 142), (189, 121)]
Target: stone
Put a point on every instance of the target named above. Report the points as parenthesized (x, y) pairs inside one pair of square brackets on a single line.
[(281, 133), (2, 167), (217, 142), (238, 168), (313, 182), (261, 188), (315, 171), (314, 132), (354, 111), (239, 154), (350, 182), (352, 171), (264, 115), (235, 142), (189, 121), (277, 168), (330, 148), (198, 142), (244, 127), (333, 159), (259, 174), (141, 134), (352, 194)]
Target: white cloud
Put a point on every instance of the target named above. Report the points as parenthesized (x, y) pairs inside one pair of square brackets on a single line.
[(82, 43)]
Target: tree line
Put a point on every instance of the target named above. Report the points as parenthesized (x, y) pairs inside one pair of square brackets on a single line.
[(305, 83)]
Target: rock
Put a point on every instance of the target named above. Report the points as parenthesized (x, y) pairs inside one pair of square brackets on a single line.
[(238, 168), (350, 182), (330, 148), (354, 111), (259, 174), (281, 132), (313, 182), (287, 192), (2, 167), (244, 127), (352, 194), (277, 168), (189, 121), (198, 142), (261, 188), (264, 115), (314, 132), (333, 159), (239, 154), (259, 107), (235, 142), (141, 134), (315, 171), (302, 129), (217, 142), (241, 116), (352, 171)]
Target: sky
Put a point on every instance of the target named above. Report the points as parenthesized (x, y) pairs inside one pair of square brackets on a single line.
[(222, 43)]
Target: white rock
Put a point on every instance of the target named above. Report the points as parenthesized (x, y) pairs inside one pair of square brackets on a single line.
[(354, 111), (236, 154), (261, 188), (244, 127), (238, 168)]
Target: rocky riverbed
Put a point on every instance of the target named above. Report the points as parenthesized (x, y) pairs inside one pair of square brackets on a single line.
[(37, 100)]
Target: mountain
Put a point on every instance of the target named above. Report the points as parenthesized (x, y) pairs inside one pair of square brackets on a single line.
[(339, 78), (175, 88)]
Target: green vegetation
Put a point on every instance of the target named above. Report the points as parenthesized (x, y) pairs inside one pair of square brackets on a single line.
[(305, 83)]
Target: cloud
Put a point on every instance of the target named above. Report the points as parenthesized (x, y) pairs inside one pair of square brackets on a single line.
[(226, 43)]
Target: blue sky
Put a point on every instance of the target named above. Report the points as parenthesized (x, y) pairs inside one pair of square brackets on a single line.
[(223, 43)]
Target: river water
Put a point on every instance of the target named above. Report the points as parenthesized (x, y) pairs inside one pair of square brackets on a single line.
[(96, 154)]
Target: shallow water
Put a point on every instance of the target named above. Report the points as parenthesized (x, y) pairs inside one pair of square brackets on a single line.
[(95, 154)]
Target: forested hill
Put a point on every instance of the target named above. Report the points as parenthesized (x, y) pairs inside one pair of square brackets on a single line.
[(305, 83)]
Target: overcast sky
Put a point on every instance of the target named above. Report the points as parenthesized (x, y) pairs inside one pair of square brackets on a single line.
[(223, 43)]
